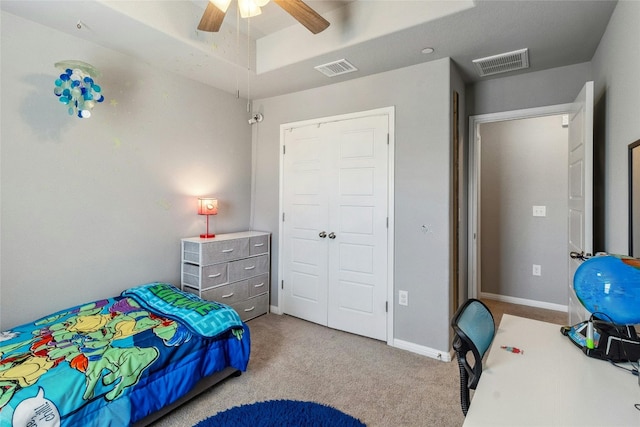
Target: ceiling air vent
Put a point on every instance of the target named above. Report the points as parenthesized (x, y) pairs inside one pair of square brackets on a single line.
[(510, 61), (336, 68)]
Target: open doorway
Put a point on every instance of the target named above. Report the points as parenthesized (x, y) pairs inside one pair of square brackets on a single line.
[(518, 218)]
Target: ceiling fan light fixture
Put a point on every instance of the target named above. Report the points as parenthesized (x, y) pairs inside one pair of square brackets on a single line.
[(213, 15), (223, 5), (248, 8)]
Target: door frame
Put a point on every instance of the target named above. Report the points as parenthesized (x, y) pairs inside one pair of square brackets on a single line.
[(474, 237), (390, 113)]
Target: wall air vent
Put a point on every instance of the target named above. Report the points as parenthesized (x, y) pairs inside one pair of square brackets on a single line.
[(336, 68), (505, 62)]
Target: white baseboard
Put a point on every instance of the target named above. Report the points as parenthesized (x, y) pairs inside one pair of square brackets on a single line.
[(444, 356), (528, 302), (275, 309)]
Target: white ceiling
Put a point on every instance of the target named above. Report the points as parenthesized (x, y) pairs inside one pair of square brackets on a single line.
[(374, 35)]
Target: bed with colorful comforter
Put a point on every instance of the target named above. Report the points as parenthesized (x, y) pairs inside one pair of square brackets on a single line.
[(114, 362)]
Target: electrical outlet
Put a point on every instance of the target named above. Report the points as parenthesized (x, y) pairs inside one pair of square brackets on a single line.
[(537, 270), (403, 297), (539, 211)]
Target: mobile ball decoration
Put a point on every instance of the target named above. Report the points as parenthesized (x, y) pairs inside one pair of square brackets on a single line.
[(77, 89), (610, 285)]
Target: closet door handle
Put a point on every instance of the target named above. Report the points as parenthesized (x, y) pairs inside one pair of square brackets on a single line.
[(323, 234), (332, 235)]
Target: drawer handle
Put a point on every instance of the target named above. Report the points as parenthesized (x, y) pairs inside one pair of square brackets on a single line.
[(226, 251), (215, 275), (250, 268), (257, 245), (259, 286), (228, 295), (249, 309)]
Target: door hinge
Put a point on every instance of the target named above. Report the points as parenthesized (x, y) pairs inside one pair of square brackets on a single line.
[(282, 284), (284, 150), (387, 222), (282, 216), (387, 139), (386, 306)]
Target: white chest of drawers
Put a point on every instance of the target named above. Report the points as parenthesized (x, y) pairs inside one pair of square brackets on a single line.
[(231, 268)]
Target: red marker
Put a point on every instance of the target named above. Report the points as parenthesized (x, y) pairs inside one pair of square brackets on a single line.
[(512, 349)]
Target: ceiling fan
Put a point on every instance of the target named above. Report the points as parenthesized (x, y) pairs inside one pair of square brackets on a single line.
[(216, 9)]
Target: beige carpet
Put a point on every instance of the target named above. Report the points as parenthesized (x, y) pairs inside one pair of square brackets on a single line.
[(380, 385)]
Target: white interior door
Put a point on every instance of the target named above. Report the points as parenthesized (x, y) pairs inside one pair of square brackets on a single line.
[(580, 213), (306, 221), (358, 226), (335, 235)]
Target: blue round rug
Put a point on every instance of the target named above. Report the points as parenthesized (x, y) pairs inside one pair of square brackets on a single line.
[(281, 413)]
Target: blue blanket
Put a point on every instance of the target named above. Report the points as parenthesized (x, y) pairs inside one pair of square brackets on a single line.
[(205, 318), (114, 361)]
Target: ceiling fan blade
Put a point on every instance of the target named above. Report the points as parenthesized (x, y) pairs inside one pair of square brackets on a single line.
[(304, 15), (211, 19)]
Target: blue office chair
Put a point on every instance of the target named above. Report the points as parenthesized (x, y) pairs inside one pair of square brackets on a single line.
[(474, 329)]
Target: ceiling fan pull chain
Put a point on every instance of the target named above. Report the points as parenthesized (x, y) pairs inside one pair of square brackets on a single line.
[(237, 51), (249, 65)]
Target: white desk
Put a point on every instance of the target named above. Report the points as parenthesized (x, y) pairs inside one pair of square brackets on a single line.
[(551, 384)]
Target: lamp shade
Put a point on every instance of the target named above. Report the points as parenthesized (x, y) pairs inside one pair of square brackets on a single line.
[(207, 206)]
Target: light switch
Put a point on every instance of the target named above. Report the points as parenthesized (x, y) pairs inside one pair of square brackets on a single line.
[(539, 211)]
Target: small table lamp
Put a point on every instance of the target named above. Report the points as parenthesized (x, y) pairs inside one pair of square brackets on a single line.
[(207, 206)]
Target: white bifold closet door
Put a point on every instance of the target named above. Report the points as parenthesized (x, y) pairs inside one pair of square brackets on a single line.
[(335, 197)]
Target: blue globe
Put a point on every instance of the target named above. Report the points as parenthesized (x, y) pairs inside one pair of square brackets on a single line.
[(610, 285)]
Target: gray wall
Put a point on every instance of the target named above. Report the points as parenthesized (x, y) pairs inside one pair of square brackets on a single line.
[(160, 146), (615, 68), (422, 98), (616, 71), (92, 206), (524, 163), (538, 89)]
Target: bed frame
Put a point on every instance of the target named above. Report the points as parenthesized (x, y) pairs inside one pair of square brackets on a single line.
[(202, 386)]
